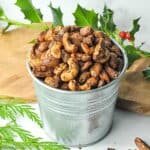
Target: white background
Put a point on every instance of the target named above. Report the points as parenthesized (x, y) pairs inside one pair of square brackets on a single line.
[(125, 12), (126, 125)]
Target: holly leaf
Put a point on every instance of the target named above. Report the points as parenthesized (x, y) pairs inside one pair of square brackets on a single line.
[(30, 12), (106, 21), (2, 17), (146, 73), (84, 17), (10, 22), (136, 27), (57, 15), (1, 12), (134, 53)]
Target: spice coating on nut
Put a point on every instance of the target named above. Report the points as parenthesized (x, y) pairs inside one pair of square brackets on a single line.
[(75, 58)]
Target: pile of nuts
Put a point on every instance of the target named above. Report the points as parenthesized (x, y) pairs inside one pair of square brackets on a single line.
[(75, 58)]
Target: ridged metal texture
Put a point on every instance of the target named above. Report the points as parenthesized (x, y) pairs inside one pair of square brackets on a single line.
[(78, 117)]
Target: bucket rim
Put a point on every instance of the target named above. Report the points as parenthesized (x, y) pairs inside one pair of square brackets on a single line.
[(87, 91)]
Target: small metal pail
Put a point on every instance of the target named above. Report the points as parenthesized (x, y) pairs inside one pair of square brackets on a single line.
[(76, 118)]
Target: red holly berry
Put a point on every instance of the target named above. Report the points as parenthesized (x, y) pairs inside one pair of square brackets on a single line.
[(122, 35), (128, 36)]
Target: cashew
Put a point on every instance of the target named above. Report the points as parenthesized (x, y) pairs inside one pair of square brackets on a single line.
[(49, 35), (64, 86), (51, 62), (40, 64), (73, 85), (104, 77), (86, 65), (58, 33), (65, 56), (70, 48), (58, 29), (74, 28), (86, 31), (99, 34), (43, 46), (42, 74), (81, 56), (113, 60), (101, 83), (108, 42), (116, 49), (96, 69), (59, 69), (103, 56), (86, 49), (52, 81), (91, 82), (85, 57), (67, 28), (41, 37), (70, 73), (111, 72), (98, 47), (38, 53), (120, 64), (48, 60), (83, 77), (106, 57), (88, 40), (76, 38), (35, 53), (43, 68), (36, 62), (55, 49), (71, 28)]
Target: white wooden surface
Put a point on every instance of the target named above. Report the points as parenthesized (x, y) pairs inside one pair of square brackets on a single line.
[(126, 126)]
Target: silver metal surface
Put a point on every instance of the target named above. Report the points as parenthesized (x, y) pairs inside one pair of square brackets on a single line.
[(78, 117)]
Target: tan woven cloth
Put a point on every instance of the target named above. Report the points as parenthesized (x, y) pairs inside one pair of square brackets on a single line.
[(135, 90), (15, 81)]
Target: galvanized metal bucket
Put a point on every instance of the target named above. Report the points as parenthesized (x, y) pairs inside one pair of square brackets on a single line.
[(77, 118)]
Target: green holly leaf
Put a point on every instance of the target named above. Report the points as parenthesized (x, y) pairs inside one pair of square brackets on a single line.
[(134, 53), (106, 21), (57, 15), (1, 12), (131, 54), (146, 73), (2, 18), (30, 12), (136, 27), (84, 17)]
